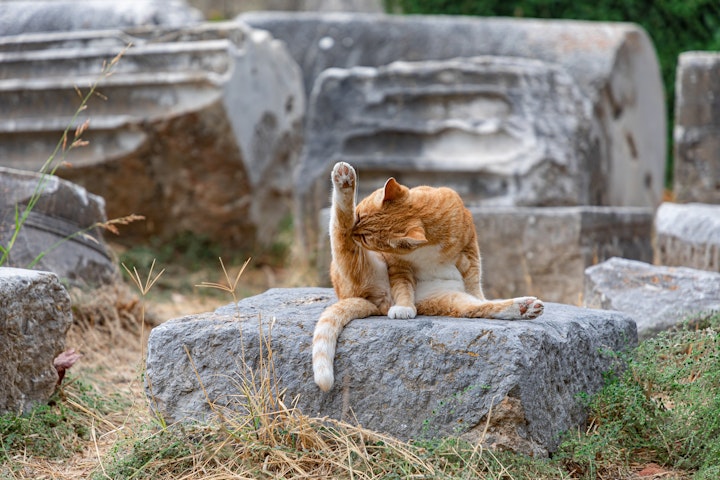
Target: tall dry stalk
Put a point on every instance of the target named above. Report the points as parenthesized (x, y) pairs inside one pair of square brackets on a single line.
[(58, 158)]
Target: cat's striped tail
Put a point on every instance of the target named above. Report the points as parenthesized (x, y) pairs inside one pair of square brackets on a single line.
[(327, 330)]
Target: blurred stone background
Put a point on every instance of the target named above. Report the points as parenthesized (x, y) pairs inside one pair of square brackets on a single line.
[(553, 131)]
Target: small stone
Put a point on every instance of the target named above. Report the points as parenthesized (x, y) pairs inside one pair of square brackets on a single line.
[(35, 315)]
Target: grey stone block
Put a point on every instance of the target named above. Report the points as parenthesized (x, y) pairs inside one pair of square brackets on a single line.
[(62, 211), (544, 251), (657, 297), (30, 16), (688, 235), (200, 126), (697, 128), (35, 315), (421, 378), (500, 131), (614, 65)]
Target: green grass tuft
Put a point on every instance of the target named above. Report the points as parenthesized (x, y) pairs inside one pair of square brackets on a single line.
[(60, 428)]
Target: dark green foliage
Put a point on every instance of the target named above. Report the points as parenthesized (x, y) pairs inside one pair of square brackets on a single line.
[(675, 26), (190, 249)]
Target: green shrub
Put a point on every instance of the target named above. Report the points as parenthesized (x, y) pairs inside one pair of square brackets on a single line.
[(664, 409), (59, 429)]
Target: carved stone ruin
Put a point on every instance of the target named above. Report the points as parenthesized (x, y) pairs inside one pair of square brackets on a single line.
[(199, 130), (604, 78), (57, 227), (30, 16)]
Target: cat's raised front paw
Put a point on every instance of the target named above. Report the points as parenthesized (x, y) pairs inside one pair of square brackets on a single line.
[(529, 307), (343, 175), (398, 311)]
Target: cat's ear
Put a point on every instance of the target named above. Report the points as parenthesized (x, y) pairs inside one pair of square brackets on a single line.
[(415, 237), (392, 190)]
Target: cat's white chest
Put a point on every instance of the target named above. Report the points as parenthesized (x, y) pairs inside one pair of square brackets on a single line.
[(433, 273)]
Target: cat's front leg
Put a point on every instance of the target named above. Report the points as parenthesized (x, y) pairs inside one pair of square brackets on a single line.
[(462, 304), (344, 180), (402, 288), (345, 252)]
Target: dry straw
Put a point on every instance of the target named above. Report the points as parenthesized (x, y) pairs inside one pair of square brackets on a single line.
[(261, 434)]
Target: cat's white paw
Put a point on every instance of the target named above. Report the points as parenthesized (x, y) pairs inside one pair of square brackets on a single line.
[(398, 311), (343, 176), (529, 307)]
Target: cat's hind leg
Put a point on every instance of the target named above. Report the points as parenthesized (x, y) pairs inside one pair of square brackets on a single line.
[(520, 308), (457, 304), (328, 328), (470, 267)]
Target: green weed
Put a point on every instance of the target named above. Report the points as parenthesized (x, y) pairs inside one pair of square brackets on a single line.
[(664, 409), (59, 429)]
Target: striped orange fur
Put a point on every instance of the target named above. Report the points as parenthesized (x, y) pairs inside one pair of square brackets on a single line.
[(402, 252)]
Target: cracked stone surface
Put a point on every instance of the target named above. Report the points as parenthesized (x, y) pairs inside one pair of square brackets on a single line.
[(35, 316), (420, 378)]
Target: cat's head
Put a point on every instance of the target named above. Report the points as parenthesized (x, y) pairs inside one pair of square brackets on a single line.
[(384, 221)]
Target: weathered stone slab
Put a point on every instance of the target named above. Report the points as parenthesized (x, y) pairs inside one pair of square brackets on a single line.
[(697, 128), (427, 377), (544, 251), (500, 131), (35, 315), (224, 9), (688, 235), (28, 16), (614, 65), (199, 130), (657, 297), (63, 210)]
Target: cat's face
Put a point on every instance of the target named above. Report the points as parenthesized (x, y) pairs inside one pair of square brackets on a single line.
[(384, 221)]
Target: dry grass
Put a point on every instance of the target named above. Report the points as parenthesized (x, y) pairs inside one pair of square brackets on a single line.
[(287, 444), (263, 435), (271, 438)]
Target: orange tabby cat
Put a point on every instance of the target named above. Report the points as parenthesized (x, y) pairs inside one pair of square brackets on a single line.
[(400, 253)]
